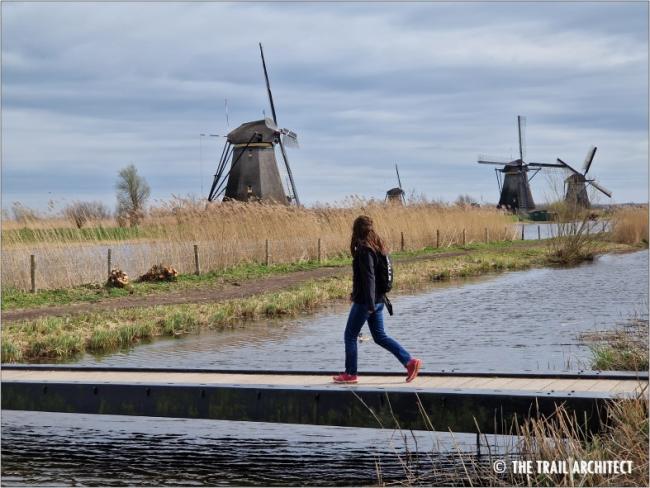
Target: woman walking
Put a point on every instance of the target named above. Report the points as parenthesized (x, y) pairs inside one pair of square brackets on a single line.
[(368, 302)]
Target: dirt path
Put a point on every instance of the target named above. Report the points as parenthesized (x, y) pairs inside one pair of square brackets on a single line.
[(208, 294)]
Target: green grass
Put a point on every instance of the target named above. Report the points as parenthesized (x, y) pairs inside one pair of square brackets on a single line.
[(92, 234), (623, 349)]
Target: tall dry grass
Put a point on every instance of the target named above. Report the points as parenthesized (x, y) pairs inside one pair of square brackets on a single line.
[(229, 234), (625, 438), (630, 225)]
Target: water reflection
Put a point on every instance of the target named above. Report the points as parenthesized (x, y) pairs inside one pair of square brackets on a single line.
[(64, 449)]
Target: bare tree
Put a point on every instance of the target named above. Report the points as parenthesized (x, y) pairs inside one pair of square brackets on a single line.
[(466, 201), (82, 212), (132, 194)]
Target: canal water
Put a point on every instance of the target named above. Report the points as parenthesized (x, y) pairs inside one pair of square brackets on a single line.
[(527, 320)]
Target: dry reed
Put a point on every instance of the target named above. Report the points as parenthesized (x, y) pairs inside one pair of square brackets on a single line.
[(230, 234), (630, 225), (560, 437)]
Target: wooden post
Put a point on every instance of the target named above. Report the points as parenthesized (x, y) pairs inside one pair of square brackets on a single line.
[(505, 233), (437, 237), (319, 250), (32, 271), (401, 246), (109, 263), (539, 232), (604, 226), (588, 228), (197, 268), (464, 237), (487, 236), (522, 232), (267, 258)]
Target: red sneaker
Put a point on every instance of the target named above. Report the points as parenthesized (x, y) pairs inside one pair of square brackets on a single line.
[(412, 369), (345, 378)]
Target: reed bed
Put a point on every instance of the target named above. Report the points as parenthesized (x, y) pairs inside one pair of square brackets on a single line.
[(560, 437), (630, 225), (231, 234)]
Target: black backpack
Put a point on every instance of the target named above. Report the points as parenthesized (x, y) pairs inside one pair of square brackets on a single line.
[(384, 273)]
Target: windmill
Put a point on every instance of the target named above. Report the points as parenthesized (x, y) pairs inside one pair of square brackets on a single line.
[(576, 184), (515, 184), (396, 195), (254, 173)]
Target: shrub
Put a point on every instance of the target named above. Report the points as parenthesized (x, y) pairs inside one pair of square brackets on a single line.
[(82, 212)]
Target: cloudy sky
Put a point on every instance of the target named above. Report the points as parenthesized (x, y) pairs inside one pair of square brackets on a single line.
[(88, 88)]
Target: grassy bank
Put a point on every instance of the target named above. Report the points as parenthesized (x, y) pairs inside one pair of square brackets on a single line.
[(13, 298), (622, 349), (55, 338)]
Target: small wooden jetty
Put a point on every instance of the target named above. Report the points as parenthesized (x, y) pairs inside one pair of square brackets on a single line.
[(486, 402)]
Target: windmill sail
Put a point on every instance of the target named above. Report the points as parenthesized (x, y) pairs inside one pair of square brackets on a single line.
[(275, 120)]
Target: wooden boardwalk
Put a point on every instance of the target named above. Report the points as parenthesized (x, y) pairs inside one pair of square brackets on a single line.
[(605, 385), (463, 402)]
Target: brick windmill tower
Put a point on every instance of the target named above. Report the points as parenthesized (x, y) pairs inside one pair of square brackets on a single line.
[(254, 174)]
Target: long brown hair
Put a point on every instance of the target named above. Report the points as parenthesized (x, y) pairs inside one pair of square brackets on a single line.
[(363, 234)]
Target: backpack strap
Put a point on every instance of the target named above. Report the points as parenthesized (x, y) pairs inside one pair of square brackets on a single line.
[(389, 306)]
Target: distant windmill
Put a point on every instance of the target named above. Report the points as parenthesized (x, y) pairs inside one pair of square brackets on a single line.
[(576, 184), (396, 195), (254, 173), (515, 189)]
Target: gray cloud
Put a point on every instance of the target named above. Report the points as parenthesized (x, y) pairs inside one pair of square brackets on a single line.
[(89, 88)]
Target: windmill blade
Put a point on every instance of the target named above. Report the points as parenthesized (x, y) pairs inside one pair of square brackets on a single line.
[(600, 188), (289, 138), (498, 163), (547, 165), (521, 128), (268, 86), (286, 164), (399, 182), (588, 160), (569, 167)]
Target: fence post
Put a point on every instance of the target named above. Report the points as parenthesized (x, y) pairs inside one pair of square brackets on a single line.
[(109, 262), (588, 226), (401, 241), (197, 268), (464, 237), (539, 232), (437, 238), (32, 271), (487, 236), (505, 233), (267, 258), (319, 250), (604, 226), (522, 232)]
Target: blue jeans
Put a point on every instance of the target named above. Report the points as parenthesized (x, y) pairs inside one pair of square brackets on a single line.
[(358, 316)]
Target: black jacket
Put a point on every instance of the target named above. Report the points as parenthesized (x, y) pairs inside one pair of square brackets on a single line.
[(363, 278)]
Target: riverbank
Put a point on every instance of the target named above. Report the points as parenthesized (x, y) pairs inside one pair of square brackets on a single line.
[(238, 275), (63, 338)]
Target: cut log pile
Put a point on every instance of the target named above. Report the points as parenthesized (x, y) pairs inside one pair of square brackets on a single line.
[(118, 279), (158, 272)]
